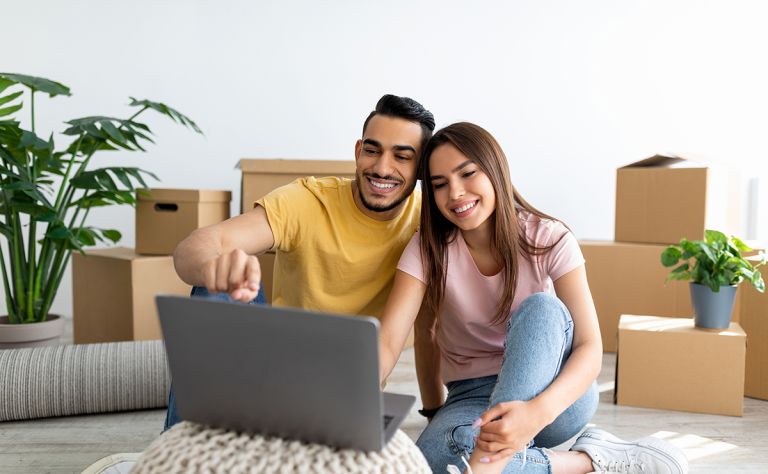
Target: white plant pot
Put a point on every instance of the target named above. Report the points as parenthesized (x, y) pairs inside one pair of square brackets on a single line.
[(46, 333)]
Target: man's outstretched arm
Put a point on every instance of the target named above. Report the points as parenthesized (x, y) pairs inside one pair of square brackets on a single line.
[(222, 257)]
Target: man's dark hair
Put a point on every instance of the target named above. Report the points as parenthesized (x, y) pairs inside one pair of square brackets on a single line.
[(407, 109)]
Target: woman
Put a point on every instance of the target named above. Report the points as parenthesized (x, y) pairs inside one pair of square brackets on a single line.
[(519, 362)]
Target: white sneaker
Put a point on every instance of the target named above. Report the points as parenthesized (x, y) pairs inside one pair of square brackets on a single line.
[(645, 455)]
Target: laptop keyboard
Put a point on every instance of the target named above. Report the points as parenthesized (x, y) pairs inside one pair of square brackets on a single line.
[(387, 420)]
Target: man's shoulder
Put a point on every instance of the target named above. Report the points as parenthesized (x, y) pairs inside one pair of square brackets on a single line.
[(325, 184), (311, 187)]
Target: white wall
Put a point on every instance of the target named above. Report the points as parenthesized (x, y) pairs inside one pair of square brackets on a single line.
[(571, 89)]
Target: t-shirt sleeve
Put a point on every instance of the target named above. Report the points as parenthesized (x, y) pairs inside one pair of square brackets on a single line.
[(286, 207), (565, 255), (410, 260)]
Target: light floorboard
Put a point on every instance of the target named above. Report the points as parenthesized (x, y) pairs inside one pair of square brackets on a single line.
[(714, 444)]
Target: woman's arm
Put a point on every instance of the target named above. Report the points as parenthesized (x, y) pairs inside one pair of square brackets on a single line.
[(400, 311), (578, 373), (428, 360)]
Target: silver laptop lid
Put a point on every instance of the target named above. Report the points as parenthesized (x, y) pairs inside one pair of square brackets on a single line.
[(277, 371)]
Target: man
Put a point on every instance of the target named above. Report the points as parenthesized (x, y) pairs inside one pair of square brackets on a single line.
[(337, 241)]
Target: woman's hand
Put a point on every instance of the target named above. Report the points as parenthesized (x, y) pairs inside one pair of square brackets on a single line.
[(507, 428)]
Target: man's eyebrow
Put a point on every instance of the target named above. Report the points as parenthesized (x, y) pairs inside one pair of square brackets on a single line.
[(377, 144), (458, 168), (404, 148)]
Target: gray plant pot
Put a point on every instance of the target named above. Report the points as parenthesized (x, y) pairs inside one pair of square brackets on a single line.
[(47, 333), (711, 309)]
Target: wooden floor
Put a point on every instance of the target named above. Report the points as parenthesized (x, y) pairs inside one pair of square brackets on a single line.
[(714, 444)]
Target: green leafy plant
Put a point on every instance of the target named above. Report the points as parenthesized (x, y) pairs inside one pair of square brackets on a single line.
[(715, 261), (46, 194)]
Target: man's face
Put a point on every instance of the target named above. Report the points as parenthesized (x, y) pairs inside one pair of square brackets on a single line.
[(386, 158)]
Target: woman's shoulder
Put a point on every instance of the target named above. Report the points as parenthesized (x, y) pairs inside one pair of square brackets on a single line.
[(540, 231)]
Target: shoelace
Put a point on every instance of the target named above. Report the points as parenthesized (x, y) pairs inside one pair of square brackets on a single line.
[(455, 470), (621, 467), (452, 469)]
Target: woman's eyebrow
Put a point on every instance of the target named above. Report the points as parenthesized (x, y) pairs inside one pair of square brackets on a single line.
[(458, 168)]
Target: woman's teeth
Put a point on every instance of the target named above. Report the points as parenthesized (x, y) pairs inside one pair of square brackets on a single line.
[(465, 207)]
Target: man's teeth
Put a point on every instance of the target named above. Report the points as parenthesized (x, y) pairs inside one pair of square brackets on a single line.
[(382, 185), (465, 207)]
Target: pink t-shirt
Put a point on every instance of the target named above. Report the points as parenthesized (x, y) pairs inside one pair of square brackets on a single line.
[(470, 344)]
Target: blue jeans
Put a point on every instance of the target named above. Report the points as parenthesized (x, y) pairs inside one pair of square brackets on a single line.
[(172, 417), (538, 342)]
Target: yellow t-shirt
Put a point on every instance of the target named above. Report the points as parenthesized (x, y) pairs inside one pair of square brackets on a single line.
[(330, 256)]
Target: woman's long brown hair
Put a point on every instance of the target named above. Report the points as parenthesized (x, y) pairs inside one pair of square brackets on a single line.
[(508, 239)]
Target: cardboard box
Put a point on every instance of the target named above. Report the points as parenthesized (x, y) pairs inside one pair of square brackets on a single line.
[(664, 198), (667, 363), (630, 279), (754, 320), (166, 216), (114, 294), (260, 176)]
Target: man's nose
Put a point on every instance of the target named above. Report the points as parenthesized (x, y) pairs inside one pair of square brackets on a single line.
[(384, 166)]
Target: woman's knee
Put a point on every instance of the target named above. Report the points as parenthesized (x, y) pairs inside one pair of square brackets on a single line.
[(541, 309)]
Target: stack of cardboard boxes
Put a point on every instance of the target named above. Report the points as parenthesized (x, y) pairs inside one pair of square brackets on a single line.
[(663, 360), (114, 289), (659, 200)]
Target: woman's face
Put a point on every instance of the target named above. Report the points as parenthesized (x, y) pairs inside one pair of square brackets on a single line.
[(463, 193)]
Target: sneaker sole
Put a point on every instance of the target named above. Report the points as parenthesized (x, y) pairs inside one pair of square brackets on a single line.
[(661, 447)]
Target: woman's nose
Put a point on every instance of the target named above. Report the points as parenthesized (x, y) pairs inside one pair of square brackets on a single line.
[(457, 192)]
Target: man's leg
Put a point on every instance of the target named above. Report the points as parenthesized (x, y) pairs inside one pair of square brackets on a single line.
[(172, 416)]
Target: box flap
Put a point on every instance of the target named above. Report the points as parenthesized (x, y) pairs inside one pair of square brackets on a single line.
[(664, 161), (674, 325), (120, 253), (117, 253), (300, 167), (185, 195)]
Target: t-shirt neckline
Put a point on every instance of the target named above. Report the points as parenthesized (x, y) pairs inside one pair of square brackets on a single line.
[(465, 249)]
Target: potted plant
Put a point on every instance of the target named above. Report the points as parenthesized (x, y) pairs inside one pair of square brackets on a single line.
[(716, 266), (46, 194)]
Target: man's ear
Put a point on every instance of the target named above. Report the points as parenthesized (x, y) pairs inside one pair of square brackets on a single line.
[(358, 148)]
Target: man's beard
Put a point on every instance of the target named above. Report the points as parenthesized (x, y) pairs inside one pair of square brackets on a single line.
[(385, 207)]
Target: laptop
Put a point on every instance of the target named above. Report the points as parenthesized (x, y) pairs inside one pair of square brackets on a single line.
[(283, 372)]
